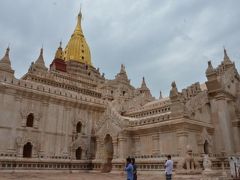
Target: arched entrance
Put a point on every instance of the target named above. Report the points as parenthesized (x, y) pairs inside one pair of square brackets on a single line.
[(79, 153), (205, 147), (108, 153), (27, 150)]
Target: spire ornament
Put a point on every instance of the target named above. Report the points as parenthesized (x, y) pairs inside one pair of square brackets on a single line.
[(160, 96), (5, 63), (39, 63), (143, 86), (77, 48), (226, 59), (6, 58), (59, 53), (210, 68)]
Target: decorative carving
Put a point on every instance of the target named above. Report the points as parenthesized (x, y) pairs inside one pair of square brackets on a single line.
[(207, 164), (111, 115), (196, 103)]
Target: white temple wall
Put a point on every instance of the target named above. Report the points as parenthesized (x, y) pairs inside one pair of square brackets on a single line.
[(236, 135), (192, 142), (168, 143), (204, 114)]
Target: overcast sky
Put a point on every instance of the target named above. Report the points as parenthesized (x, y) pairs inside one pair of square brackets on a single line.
[(160, 40)]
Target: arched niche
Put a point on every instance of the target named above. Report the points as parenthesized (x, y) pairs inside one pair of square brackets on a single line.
[(30, 120), (27, 150)]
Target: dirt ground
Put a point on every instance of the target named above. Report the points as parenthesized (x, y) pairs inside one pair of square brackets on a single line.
[(72, 176)]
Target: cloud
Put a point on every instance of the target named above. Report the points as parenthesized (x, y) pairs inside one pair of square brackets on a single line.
[(161, 40)]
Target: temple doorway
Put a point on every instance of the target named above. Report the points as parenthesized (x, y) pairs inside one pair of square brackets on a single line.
[(108, 154), (27, 150), (79, 153), (205, 147)]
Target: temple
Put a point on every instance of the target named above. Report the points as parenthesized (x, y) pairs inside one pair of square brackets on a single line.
[(69, 116)]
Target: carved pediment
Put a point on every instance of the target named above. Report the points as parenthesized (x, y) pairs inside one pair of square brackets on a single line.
[(79, 142), (110, 123), (109, 128), (205, 137)]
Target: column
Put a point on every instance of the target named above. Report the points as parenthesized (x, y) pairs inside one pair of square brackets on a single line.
[(224, 124)]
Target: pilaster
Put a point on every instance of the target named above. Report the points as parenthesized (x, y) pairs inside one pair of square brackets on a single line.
[(155, 140), (122, 146), (182, 137), (115, 148)]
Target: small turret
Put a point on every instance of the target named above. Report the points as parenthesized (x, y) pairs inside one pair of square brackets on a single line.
[(144, 89), (59, 53), (39, 64), (5, 64), (226, 59), (122, 75), (40, 61), (58, 63), (143, 86), (210, 68), (160, 96)]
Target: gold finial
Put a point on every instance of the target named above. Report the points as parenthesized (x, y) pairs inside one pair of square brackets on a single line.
[(80, 11), (59, 52)]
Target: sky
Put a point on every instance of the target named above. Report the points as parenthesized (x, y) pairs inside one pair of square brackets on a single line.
[(164, 41)]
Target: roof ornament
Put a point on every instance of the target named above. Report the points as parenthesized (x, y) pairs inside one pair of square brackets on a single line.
[(226, 59), (161, 96), (5, 63), (173, 91), (6, 58), (143, 86), (210, 68)]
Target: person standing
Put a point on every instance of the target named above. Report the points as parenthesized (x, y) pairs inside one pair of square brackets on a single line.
[(168, 168), (134, 169), (129, 169)]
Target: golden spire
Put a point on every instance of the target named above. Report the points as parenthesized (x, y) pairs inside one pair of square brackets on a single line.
[(59, 52), (77, 48)]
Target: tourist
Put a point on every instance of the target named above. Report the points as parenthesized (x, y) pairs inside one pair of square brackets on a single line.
[(134, 169), (129, 169), (168, 168)]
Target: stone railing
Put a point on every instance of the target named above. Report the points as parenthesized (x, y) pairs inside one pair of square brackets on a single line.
[(146, 113), (144, 163), (42, 164), (49, 90), (151, 120)]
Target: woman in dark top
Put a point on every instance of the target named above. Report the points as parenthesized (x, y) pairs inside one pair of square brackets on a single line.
[(134, 169)]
